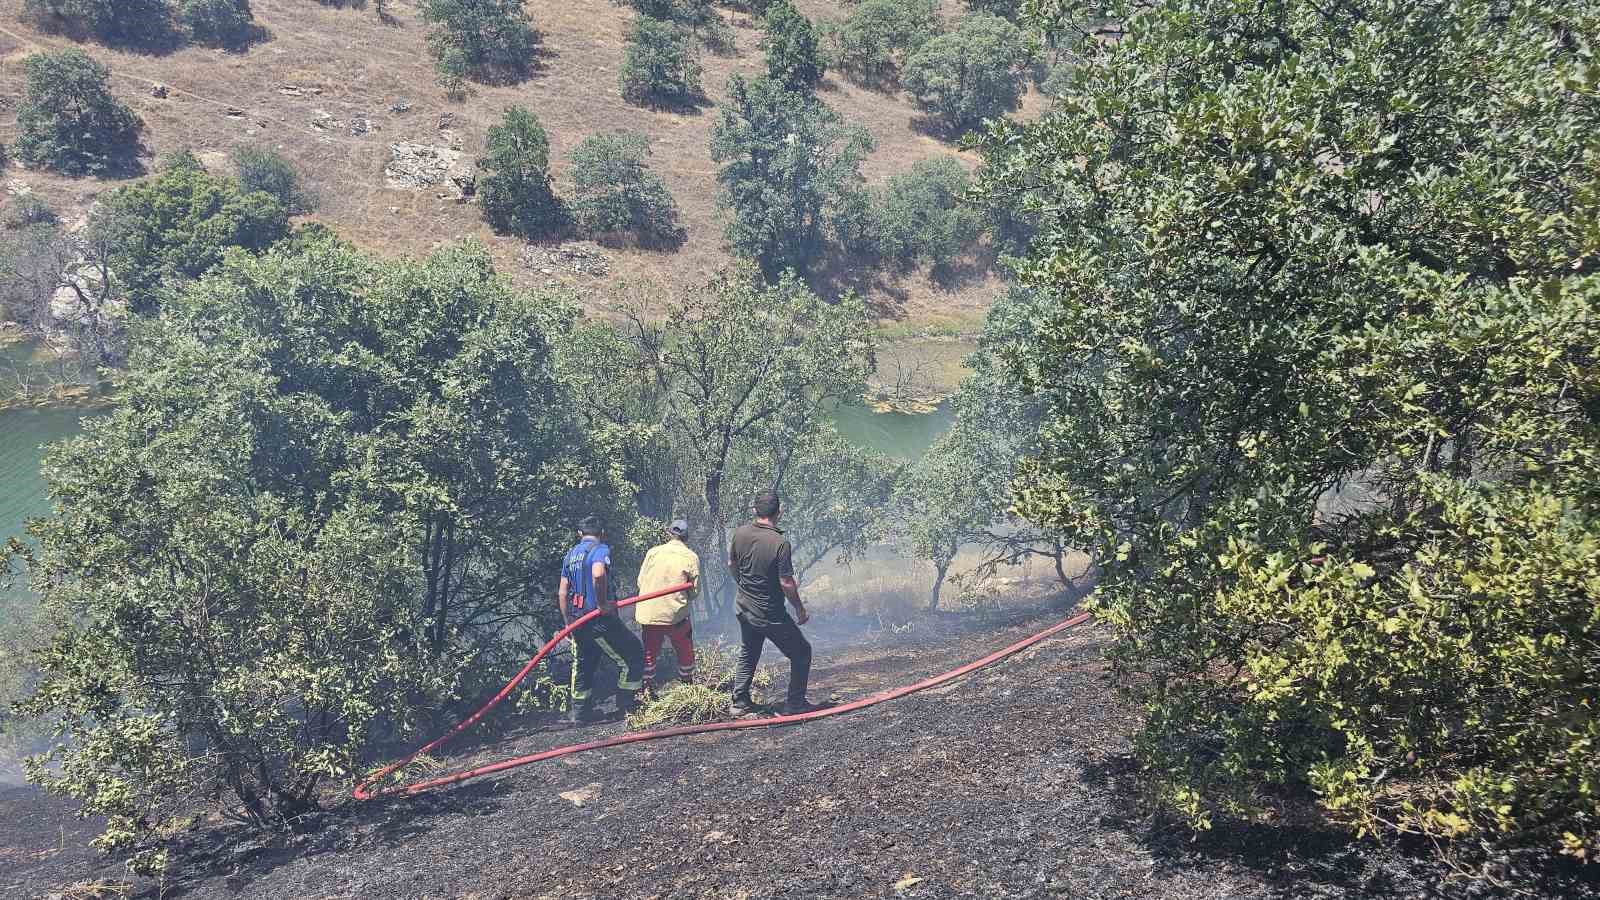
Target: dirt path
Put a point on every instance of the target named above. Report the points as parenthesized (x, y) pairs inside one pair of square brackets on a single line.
[(1005, 784)]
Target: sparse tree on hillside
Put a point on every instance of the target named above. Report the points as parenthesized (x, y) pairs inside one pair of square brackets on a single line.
[(217, 22), (923, 216), (977, 71), (787, 163), (514, 181), (259, 169), (1318, 355), (134, 22), (69, 121), (613, 191), (331, 489), (660, 66), (878, 35), (177, 226), (486, 40), (794, 59)]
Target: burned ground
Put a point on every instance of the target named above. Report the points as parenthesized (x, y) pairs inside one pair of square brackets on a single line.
[(1013, 782)]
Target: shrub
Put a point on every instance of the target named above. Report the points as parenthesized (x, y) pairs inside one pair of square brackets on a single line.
[(237, 605), (1337, 455), (923, 216), (30, 210), (975, 72), (267, 171), (514, 187), (659, 66), (137, 22), (217, 22), (177, 226), (613, 191), (487, 40), (69, 121), (878, 35), (787, 163), (793, 58)]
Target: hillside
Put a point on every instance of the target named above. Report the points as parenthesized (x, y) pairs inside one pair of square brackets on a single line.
[(333, 88)]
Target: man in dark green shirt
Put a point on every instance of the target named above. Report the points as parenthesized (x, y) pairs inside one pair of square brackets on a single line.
[(761, 564)]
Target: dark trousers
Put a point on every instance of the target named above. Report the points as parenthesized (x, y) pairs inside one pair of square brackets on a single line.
[(606, 635), (787, 638)]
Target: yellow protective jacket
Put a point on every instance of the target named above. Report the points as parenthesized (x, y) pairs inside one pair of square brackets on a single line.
[(664, 566)]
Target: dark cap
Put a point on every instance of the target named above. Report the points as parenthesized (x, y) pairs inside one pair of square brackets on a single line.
[(679, 527), (591, 525)]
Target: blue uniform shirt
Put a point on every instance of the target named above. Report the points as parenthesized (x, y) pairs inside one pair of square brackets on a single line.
[(578, 569)]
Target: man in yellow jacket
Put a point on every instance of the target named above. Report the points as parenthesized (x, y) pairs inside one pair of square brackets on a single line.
[(668, 617)]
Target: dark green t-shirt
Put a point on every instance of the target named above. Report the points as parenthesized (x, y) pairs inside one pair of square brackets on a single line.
[(761, 555)]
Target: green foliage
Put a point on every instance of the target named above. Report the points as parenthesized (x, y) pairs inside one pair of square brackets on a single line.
[(1318, 354), (69, 121), (788, 163), (326, 501), (613, 191), (922, 215), (877, 37), (260, 169), (660, 66), (1009, 10), (514, 181), (974, 72), (223, 23), (179, 225), (29, 210), (134, 22), (793, 58), (489, 41)]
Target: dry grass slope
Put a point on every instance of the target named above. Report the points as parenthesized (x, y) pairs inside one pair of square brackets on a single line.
[(331, 88)]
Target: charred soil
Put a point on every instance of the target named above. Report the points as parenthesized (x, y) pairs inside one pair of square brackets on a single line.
[(1014, 782)]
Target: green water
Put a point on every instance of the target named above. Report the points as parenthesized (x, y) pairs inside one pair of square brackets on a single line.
[(23, 434), (905, 435)]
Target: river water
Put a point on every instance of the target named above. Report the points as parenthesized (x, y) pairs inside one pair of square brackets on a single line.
[(23, 434)]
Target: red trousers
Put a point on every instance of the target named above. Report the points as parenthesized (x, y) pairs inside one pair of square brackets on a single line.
[(682, 635)]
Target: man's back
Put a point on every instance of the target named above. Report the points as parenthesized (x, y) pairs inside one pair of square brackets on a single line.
[(761, 554), (664, 566)]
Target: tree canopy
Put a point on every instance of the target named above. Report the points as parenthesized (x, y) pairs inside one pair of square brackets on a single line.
[(614, 191), (1317, 353), (975, 71), (68, 120), (514, 181)]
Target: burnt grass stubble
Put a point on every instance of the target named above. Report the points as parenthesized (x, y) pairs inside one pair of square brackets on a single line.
[(1012, 782)]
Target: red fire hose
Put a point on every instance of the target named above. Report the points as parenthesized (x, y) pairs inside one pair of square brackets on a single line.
[(365, 791)]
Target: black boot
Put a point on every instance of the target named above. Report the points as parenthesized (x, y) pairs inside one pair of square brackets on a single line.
[(627, 702), (582, 712)]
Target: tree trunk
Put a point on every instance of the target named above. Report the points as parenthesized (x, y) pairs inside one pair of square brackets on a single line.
[(938, 583)]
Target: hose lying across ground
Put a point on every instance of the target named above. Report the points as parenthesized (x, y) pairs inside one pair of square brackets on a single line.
[(366, 790)]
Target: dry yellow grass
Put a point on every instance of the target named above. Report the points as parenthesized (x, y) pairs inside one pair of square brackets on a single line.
[(346, 64)]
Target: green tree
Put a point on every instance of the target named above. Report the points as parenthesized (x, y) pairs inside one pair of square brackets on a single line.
[(224, 23), (794, 59), (923, 215), (514, 181), (487, 40), (788, 165), (878, 35), (613, 191), (136, 22), (744, 375), (69, 121), (351, 481), (974, 72), (260, 169), (178, 225), (1318, 364), (660, 66)]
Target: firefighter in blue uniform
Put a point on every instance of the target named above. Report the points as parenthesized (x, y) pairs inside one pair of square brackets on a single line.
[(585, 586)]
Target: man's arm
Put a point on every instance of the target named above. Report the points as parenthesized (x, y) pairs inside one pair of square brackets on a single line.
[(561, 600), (791, 588), (601, 590)]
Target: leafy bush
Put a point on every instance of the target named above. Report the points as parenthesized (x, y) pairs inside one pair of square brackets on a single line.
[(613, 191), (977, 71), (69, 121), (788, 162), (923, 215), (267, 171), (30, 210), (487, 40), (1334, 434), (136, 22), (178, 225), (793, 57), (878, 35), (248, 615), (659, 66), (514, 184), (222, 23), (1010, 10)]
